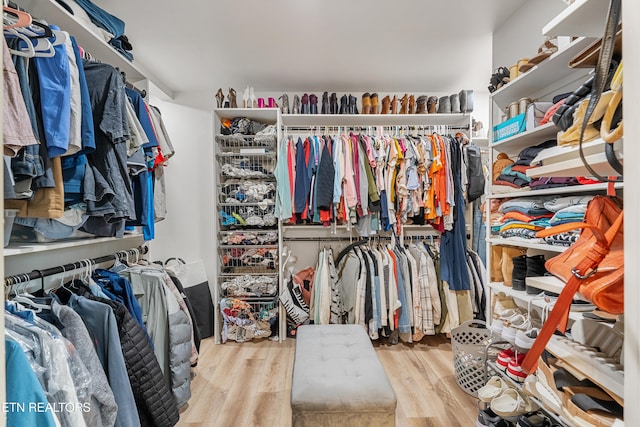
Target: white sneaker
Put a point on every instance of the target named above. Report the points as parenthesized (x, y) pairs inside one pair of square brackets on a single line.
[(525, 339)]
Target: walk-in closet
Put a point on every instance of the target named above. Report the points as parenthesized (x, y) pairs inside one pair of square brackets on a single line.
[(320, 213)]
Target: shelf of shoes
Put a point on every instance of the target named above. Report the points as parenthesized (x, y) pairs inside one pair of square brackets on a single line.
[(606, 375), (581, 18), (542, 81), (518, 386), (542, 302)]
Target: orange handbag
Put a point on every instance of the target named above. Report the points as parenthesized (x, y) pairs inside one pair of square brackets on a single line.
[(593, 265)]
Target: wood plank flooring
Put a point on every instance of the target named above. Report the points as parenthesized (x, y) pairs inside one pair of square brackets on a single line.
[(248, 384)]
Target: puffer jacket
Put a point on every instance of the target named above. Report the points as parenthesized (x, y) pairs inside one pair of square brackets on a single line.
[(179, 350), (156, 405)]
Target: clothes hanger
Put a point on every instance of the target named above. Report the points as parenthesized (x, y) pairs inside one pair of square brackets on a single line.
[(30, 52), (19, 18)]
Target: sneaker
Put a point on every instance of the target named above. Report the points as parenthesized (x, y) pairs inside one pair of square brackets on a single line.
[(504, 357), (517, 323), (525, 339), (487, 418), (514, 371)]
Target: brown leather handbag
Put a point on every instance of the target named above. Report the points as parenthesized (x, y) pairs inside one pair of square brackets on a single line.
[(593, 265)]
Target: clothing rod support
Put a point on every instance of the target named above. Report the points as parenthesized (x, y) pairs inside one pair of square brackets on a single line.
[(36, 274)]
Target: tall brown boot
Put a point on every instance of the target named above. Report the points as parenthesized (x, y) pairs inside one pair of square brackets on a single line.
[(404, 103), (366, 103), (412, 104), (508, 253), (386, 103), (374, 104), (421, 105), (496, 263), (394, 105)]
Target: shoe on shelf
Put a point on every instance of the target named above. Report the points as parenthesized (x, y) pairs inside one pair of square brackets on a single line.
[(232, 98), (412, 105), (514, 324), (444, 105), (394, 105), (525, 339), (219, 98), (366, 103), (404, 104), (487, 418), (325, 103), (374, 104), (534, 420), (512, 403), (514, 371), (421, 104), (519, 272), (296, 105), (285, 103), (246, 99), (305, 104), (454, 100), (503, 359), (353, 105), (313, 104), (344, 104), (386, 104), (492, 389), (333, 104), (432, 104)]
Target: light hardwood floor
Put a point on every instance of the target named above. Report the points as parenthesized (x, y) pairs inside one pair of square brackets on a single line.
[(248, 384)]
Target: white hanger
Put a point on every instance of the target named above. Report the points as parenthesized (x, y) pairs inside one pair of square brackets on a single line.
[(30, 52)]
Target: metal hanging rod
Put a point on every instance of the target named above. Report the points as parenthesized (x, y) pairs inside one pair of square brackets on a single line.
[(36, 274)]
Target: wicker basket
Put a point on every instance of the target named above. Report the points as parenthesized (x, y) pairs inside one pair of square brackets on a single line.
[(468, 344)]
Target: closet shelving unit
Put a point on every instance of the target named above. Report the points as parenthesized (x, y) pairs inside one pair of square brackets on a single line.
[(21, 257), (585, 20), (235, 195)]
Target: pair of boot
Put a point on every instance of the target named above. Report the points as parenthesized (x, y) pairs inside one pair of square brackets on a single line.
[(461, 102), (329, 103), (370, 103), (527, 266), (502, 263), (348, 105), (405, 105)]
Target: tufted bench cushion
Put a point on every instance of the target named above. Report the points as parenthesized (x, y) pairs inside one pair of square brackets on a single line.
[(338, 379)]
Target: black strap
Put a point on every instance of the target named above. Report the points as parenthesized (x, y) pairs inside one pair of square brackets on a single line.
[(602, 70)]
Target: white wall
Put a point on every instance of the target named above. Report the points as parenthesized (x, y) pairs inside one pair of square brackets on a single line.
[(520, 35), (187, 232)]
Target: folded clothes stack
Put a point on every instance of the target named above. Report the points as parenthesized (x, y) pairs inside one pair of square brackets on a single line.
[(523, 217)]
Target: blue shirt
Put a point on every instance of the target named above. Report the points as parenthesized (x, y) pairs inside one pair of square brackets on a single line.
[(143, 116), (117, 288)]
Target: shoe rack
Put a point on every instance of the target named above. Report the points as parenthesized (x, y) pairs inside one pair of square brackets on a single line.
[(247, 234), (584, 20)]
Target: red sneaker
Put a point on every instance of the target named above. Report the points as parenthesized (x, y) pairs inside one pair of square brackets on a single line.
[(514, 371)]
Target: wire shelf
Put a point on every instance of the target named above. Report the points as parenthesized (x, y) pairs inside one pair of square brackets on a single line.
[(247, 192), (249, 286), (249, 260), (252, 238), (235, 142), (248, 215), (246, 166)]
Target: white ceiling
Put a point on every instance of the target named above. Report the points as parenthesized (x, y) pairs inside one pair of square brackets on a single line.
[(298, 45)]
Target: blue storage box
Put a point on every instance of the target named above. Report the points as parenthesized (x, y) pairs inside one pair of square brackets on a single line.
[(509, 128)]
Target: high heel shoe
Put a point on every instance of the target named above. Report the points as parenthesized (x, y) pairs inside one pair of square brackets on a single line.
[(394, 105), (333, 103), (366, 103), (296, 105), (374, 104), (404, 103), (252, 97), (325, 103), (232, 98), (386, 103), (353, 106), (305, 104), (285, 103), (245, 98), (313, 104), (219, 98), (412, 104), (344, 107)]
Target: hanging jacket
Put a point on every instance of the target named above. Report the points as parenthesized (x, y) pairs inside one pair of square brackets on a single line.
[(179, 350), (156, 405)]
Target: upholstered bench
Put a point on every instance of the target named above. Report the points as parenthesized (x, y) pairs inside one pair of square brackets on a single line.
[(338, 379)]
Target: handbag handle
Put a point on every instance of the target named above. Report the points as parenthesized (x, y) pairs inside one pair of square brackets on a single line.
[(602, 70), (560, 314)]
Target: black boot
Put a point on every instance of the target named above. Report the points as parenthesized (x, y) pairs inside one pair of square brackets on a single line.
[(353, 106), (344, 108), (313, 101), (535, 268), (333, 103), (325, 103), (519, 272)]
